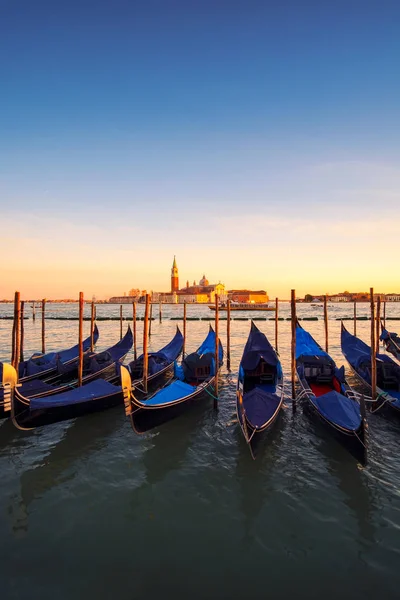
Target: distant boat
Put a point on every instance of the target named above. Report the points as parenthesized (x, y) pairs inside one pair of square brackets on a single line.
[(259, 395), (244, 306), (328, 394)]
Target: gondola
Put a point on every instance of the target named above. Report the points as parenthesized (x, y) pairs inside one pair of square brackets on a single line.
[(260, 390), (358, 355), (41, 366), (328, 394), (391, 341), (93, 397), (193, 379), (159, 363), (102, 365)]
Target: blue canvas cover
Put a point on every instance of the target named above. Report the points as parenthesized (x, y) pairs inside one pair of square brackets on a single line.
[(33, 387), (175, 391), (43, 362), (209, 346), (339, 409), (86, 393), (157, 361), (257, 347), (385, 335), (260, 406), (122, 348), (307, 346), (358, 353)]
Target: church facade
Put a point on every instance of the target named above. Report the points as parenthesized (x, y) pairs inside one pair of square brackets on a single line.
[(197, 293)]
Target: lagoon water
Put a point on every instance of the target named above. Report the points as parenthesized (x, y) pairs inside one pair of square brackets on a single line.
[(88, 509)]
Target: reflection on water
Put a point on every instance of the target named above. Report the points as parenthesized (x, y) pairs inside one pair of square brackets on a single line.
[(188, 499)]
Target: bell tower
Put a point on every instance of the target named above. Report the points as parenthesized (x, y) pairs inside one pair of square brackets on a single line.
[(174, 277)]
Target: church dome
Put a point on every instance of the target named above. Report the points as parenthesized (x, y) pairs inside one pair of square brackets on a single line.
[(203, 281)]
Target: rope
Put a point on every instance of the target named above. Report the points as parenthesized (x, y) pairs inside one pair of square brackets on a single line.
[(210, 394)]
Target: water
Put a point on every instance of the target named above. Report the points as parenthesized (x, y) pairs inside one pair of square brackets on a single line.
[(89, 509)]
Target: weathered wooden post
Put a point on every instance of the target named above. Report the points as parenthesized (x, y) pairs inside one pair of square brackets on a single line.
[(80, 339), (92, 313), (184, 329), (134, 330), (145, 343), (276, 323), (16, 331), (21, 350), (293, 347), (378, 323), (373, 346), (151, 317), (326, 322), (355, 317), (120, 321), (384, 313), (216, 352), (159, 312), (43, 326), (34, 311), (228, 335), (13, 331)]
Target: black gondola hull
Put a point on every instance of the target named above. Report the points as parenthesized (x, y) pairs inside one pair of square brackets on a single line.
[(25, 418), (146, 419)]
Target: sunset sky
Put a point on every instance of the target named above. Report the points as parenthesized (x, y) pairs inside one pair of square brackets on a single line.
[(257, 141)]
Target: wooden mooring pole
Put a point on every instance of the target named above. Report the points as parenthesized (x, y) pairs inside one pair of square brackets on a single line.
[(184, 329), (43, 326), (159, 312), (16, 331), (80, 339), (216, 351), (145, 343), (373, 346), (92, 314), (378, 323), (293, 346), (276, 323), (21, 350), (134, 330), (228, 335), (355, 318), (120, 322), (33, 311), (151, 317), (326, 322), (384, 313)]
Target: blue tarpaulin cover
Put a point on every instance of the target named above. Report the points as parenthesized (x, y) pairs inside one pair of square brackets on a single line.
[(42, 362), (358, 353), (260, 406), (257, 347), (86, 393), (339, 410), (209, 346), (385, 335), (159, 360), (176, 390), (307, 346)]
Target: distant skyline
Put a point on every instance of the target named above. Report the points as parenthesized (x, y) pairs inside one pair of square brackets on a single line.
[(257, 141)]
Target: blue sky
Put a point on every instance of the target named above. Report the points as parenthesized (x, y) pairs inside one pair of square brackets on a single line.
[(247, 138)]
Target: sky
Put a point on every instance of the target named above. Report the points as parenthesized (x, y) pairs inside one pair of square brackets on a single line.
[(257, 141)]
